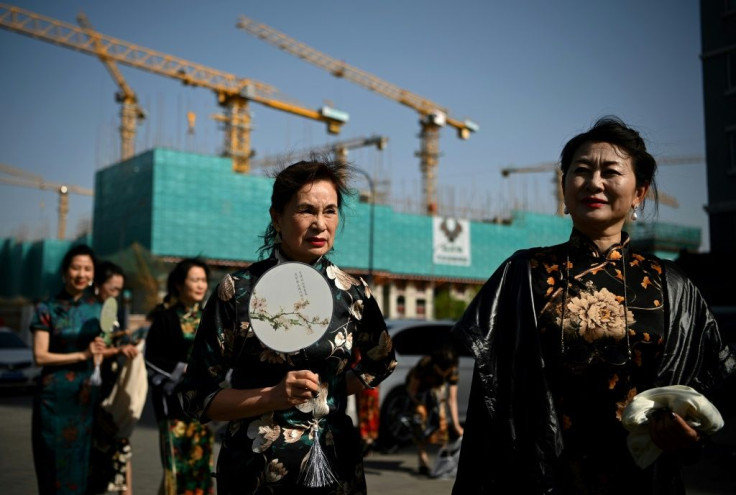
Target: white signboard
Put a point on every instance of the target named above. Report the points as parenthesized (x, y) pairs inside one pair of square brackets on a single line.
[(451, 241)]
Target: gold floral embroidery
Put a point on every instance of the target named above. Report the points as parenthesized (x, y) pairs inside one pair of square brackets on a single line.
[(292, 435), (599, 315), (275, 470), (343, 281), (356, 309), (613, 381), (263, 432), (383, 348), (226, 289)]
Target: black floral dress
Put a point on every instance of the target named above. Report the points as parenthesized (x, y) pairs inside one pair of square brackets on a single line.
[(267, 454), (185, 445), (610, 308)]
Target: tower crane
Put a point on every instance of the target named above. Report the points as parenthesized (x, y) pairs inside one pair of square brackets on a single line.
[(432, 117), (131, 113), (25, 179), (233, 92), (339, 149), (663, 197)]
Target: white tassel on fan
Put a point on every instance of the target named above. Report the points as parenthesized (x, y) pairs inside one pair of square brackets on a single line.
[(316, 471)]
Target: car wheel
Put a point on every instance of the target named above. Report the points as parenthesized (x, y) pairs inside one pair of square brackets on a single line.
[(397, 412)]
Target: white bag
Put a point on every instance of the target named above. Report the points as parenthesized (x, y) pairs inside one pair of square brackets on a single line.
[(128, 396), (445, 466)]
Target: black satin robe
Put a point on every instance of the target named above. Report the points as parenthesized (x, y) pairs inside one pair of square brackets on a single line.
[(513, 436)]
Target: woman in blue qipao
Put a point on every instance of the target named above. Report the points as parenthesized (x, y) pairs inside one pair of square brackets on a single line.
[(66, 332), (276, 404)]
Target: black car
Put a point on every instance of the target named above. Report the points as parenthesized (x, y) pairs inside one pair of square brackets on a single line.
[(17, 370)]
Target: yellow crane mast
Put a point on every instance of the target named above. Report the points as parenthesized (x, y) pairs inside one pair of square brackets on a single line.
[(131, 113), (25, 179), (432, 117), (233, 92), (663, 197)]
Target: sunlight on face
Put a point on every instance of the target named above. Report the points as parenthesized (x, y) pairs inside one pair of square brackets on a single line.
[(600, 189), (112, 287), (195, 286), (309, 221), (79, 275)]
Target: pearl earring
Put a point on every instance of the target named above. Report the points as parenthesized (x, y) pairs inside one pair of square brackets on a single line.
[(634, 214)]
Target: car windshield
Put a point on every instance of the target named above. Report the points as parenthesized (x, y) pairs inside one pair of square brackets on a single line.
[(10, 340)]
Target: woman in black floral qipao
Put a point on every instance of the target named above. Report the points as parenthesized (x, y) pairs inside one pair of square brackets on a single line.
[(277, 406), (565, 336)]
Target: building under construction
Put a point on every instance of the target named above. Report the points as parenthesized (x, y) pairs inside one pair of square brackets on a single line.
[(163, 205)]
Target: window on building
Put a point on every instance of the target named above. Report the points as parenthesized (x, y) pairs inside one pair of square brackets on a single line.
[(731, 70), (731, 143), (401, 305), (421, 308)]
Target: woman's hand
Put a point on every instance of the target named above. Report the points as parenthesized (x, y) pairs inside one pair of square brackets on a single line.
[(296, 388), (97, 346), (670, 432), (97, 349), (128, 350)]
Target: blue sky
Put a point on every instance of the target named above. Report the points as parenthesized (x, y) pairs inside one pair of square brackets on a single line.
[(531, 74)]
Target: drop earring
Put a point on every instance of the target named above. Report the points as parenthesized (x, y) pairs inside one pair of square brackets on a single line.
[(565, 210), (634, 214)]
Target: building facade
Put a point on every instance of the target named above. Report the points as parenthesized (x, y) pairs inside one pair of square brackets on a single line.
[(718, 37)]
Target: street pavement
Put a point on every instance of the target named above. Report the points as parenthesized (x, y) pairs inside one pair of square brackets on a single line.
[(386, 474)]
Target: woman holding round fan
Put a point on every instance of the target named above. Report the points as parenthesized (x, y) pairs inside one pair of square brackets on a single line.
[(288, 430)]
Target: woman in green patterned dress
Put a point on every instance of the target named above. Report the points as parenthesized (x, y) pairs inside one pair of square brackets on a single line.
[(65, 337), (186, 445)]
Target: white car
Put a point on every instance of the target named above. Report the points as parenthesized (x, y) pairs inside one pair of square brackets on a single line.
[(17, 369), (412, 340)]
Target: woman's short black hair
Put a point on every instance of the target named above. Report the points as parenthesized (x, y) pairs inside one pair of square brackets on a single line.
[(77, 250), (178, 275), (612, 130), (105, 270), (291, 179)]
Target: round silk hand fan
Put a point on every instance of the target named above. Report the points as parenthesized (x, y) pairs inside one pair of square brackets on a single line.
[(291, 307), (108, 323)]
